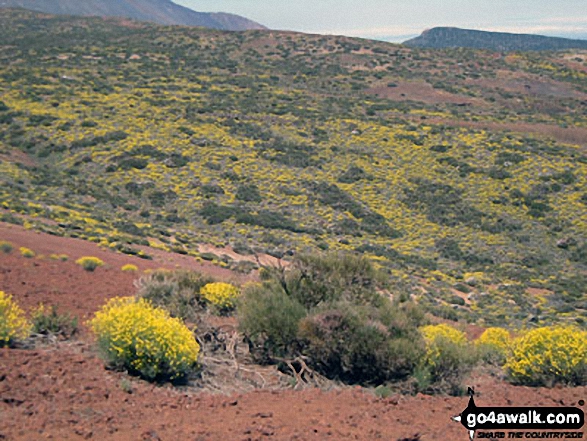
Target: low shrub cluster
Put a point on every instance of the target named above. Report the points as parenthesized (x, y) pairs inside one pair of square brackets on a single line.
[(332, 311), (134, 335), (359, 344), (89, 263), (13, 324)]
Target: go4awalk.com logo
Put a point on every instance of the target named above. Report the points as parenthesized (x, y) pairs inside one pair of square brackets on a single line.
[(521, 422)]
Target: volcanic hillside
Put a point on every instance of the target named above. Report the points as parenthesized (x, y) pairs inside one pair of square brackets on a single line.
[(462, 173)]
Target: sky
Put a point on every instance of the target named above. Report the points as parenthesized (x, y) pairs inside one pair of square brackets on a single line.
[(398, 20)]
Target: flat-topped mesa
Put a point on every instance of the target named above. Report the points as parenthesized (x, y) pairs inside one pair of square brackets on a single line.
[(446, 37)]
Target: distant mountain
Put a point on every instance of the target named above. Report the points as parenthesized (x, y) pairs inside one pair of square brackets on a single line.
[(497, 41), (158, 11)]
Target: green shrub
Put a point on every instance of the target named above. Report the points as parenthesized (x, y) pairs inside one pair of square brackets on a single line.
[(49, 322), (352, 175), (248, 193), (176, 291), (382, 391), (269, 318), (268, 219), (134, 335), (326, 308), (456, 300), (89, 263), (5, 247), (209, 257), (13, 324), (316, 279), (546, 356), (351, 344)]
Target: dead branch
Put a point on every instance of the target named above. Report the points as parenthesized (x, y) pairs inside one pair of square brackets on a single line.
[(305, 376)]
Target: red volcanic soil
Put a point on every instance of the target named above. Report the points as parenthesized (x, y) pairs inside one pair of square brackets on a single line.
[(63, 392), (419, 91), (66, 284)]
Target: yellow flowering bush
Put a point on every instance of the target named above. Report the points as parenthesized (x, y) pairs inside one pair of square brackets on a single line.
[(134, 335), (545, 356), (89, 263), (27, 252), (493, 345), (447, 359), (436, 336), (13, 323), (129, 267), (221, 296)]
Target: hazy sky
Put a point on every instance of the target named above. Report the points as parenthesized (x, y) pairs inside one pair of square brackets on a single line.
[(396, 20)]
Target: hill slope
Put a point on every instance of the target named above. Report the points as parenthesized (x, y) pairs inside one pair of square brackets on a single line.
[(461, 172), (157, 11), (443, 37)]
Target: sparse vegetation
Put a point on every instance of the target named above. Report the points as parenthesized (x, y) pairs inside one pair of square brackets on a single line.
[(323, 154), (48, 321), (61, 257)]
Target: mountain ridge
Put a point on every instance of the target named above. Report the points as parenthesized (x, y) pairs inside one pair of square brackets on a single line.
[(158, 11), (451, 37)]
